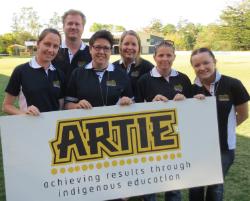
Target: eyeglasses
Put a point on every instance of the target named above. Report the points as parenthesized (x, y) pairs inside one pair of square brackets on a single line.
[(104, 48), (168, 43)]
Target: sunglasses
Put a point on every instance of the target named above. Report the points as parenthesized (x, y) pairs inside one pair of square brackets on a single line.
[(168, 43)]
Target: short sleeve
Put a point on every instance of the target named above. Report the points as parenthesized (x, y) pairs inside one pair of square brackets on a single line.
[(239, 93), (14, 84)]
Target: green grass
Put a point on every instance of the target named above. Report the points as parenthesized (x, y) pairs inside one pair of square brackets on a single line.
[(237, 182)]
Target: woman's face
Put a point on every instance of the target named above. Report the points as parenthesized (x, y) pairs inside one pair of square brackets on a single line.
[(129, 48), (100, 52), (47, 48), (204, 66), (164, 58)]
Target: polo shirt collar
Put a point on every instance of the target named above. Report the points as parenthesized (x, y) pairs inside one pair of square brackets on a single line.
[(129, 66), (33, 64), (82, 47), (109, 68), (155, 73), (197, 81)]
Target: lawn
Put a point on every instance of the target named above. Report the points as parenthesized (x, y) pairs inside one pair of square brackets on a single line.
[(233, 64)]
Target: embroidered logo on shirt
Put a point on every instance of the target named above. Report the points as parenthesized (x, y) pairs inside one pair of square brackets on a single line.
[(135, 74), (223, 97), (111, 83), (56, 83), (178, 87)]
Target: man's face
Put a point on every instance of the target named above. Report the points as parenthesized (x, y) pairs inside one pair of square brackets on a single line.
[(73, 27)]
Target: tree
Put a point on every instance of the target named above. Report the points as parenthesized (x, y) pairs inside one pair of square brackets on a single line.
[(155, 27), (189, 32), (168, 29), (236, 25), (27, 20), (211, 36), (110, 27), (55, 22), (9, 39)]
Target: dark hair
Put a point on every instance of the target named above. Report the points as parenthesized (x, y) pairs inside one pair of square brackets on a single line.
[(164, 43), (45, 32), (131, 33), (104, 34), (201, 50), (74, 12)]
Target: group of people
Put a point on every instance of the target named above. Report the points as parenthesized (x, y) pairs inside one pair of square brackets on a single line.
[(73, 75)]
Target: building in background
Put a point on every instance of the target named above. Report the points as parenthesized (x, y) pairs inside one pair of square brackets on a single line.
[(147, 41)]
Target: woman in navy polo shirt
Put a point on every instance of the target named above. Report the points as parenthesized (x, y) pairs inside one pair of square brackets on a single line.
[(37, 84), (232, 109), (131, 61), (99, 83), (164, 83)]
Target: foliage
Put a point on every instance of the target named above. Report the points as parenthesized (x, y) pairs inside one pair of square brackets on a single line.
[(236, 25), (13, 38), (211, 36), (168, 29), (26, 20), (110, 27), (232, 33), (55, 22)]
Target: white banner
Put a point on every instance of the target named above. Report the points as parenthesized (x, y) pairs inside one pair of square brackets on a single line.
[(111, 152)]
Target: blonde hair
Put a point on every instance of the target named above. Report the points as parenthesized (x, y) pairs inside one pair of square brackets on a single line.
[(74, 12), (131, 33)]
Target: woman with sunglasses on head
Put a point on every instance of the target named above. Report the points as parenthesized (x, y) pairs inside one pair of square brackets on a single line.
[(164, 83), (232, 109), (99, 83), (38, 85), (131, 61)]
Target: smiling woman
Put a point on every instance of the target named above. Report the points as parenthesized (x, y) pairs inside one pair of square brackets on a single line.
[(109, 85), (37, 84)]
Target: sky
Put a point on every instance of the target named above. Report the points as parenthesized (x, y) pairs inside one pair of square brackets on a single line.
[(132, 14)]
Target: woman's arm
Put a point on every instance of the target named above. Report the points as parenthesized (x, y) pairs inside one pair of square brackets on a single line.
[(8, 105), (9, 108)]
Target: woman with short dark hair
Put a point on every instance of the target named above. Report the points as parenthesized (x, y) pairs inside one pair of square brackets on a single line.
[(98, 83)]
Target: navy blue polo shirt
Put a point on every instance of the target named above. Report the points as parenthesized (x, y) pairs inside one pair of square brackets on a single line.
[(229, 93), (98, 88), (67, 62), (135, 71), (35, 86), (152, 84)]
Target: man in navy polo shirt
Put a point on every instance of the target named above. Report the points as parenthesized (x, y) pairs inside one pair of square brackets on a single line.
[(73, 52)]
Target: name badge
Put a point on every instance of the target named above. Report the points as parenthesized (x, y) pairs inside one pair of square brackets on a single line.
[(223, 97), (135, 74), (111, 83)]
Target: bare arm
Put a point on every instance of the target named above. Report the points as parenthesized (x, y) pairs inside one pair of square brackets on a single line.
[(241, 113), (9, 108), (8, 105)]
